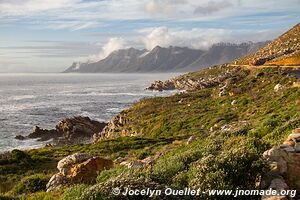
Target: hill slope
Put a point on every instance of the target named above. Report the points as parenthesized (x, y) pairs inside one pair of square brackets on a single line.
[(285, 50)]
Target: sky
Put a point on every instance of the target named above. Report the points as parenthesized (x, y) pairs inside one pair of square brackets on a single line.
[(49, 35)]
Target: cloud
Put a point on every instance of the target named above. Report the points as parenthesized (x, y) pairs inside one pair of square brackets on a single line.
[(157, 36), (200, 38), (212, 7), (31, 7), (113, 44), (163, 6)]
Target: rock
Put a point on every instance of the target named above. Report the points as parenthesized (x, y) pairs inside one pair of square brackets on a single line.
[(87, 171), (78, 168), (56, 182), (290, 143), (160, 85), (20, 137), (76, 128), (233, 102), (136, 164), (43, 134), (278, 87), (148, 161), (289, 149), (279, 184), (294, 136), (64, 165), (191, 139), (297, 147), (296, 131)]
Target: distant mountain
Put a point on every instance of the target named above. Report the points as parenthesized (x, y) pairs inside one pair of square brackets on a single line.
[(285, 50), (171, 59)]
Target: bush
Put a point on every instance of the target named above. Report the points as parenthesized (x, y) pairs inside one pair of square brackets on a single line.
[(41, 196), (74, 192), (30, 184), (236, 168), (171, 164), (114, 172)]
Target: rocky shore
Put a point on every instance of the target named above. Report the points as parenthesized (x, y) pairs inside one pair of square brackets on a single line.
[(73, 130)]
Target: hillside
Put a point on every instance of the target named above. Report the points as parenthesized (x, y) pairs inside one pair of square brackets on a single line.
[(228, 127), (230, 133), (285, 50), (172, 59)]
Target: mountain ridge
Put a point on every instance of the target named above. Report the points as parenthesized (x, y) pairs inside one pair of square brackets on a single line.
[(161, 59)]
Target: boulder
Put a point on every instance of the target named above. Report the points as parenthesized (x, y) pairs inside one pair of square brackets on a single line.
[(278, 87), (87, 171), (64, 165), (77, 168), (56, 181)]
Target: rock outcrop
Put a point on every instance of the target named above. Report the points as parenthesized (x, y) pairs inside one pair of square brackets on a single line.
[(162, 85), (67, 131), (115, 128), (77, 168), (284, 162), (76, 128), (190, 83)]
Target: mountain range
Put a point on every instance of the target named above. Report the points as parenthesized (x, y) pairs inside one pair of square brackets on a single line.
[(160, 59)]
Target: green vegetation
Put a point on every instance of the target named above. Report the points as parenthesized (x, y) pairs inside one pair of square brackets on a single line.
[(232, 133)]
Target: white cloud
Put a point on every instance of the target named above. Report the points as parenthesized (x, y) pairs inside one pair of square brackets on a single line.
[(212, 7), (113, 44), (198, 38), (31, 7)]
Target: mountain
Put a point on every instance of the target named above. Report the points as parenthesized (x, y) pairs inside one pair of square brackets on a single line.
[(285, 50), (161, 59)]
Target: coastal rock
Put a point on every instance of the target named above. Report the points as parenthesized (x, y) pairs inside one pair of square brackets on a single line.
[(115, 128), (43, 134), (77, 168), (20, 137), (160, 85), (76, 128), (190, 83)]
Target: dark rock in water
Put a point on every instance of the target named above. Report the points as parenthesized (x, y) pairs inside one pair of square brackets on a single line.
[(79, 127), (43, 134), (20, 137), (76, 130)]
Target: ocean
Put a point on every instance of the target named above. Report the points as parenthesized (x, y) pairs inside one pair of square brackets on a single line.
[(29, 100)]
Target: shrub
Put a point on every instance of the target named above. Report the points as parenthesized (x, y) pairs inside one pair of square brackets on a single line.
[(41, 196), (236, 168), (74, 192), (31, 184), (114, 172)]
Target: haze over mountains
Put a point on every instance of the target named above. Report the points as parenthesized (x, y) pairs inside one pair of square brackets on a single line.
[(171, 59)]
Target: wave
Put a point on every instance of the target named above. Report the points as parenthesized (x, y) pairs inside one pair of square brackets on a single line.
[(22, 97)]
